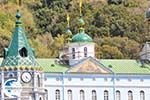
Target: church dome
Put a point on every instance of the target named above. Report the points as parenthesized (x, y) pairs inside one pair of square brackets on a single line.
[(81, 37)]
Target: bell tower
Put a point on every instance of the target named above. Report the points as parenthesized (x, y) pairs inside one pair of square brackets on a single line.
[(21, 76)]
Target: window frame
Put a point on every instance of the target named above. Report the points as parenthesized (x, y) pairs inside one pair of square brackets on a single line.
[(57, 94), (106, 95), (94, 95)]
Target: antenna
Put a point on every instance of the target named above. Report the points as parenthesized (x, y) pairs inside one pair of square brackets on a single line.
[(80, 7), (68, 20), (19, 3)]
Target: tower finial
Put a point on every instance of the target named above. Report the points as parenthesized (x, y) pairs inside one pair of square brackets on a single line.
[(80, 7), (18, 16), (68, 20)]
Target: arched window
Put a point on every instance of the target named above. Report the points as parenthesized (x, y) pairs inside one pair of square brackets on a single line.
[(38, 80), (130, 95), (10, 74), (40, 98), (23, 52), (106, 96), (82, 95), (85, 51), (46, 91), (73, 53), (94, 96), (57, 93), (118, 97), (69, 95), (142, 95)]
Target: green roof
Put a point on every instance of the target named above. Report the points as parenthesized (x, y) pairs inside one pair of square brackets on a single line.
[(49, 65), (119, 66), (126, 66), (19, 52), (81, 37)]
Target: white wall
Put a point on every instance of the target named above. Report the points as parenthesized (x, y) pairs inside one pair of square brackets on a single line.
[(99, 84), (79, 47)]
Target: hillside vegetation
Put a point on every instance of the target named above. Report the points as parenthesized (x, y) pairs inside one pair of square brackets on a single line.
[(118, 28)]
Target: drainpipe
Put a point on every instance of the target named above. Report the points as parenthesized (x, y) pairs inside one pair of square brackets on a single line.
[(63, 90), (114, 92), (2, 86)]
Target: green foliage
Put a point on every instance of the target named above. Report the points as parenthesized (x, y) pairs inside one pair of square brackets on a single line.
[(115, 2), (118, 27)]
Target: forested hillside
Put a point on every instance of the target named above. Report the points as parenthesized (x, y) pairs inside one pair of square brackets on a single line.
[(118, 27)]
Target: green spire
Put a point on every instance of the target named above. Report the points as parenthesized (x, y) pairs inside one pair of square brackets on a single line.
[(81, 22), (19, 53)]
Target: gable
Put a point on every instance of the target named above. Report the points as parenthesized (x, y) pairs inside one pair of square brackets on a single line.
[(89, 66)]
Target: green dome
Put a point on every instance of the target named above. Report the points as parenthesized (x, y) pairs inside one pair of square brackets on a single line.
[(81, 37)]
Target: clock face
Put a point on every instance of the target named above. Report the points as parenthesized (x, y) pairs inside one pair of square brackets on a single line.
[(26, 77)]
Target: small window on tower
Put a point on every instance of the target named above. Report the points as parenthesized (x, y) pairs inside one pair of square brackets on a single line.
[(73, 53), (23, 52), (38, 80), (85, 51)]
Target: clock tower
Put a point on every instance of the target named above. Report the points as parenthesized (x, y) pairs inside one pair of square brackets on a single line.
[(21, 76)]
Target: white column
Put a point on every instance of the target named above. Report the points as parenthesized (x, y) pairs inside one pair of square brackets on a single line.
[(36, 96), (19, 80), (3, 85)]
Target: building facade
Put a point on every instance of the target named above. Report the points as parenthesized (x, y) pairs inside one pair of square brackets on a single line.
[(76, 75)]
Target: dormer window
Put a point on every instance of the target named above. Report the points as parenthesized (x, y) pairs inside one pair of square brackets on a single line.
[(23, 52)]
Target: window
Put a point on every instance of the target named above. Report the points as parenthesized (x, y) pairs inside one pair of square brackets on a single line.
[(106, 95), (40, 98), (57, 94), (69, 95), (81, 95), (94, 96), (69, 79), (46, 91), (118, 97), (85, 51), (10, 74), (130, 95), (23, 52), (142, 95), (105, 79), (38, 80), (73, 53), (129, 79), (141, 79), (81, 78)]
